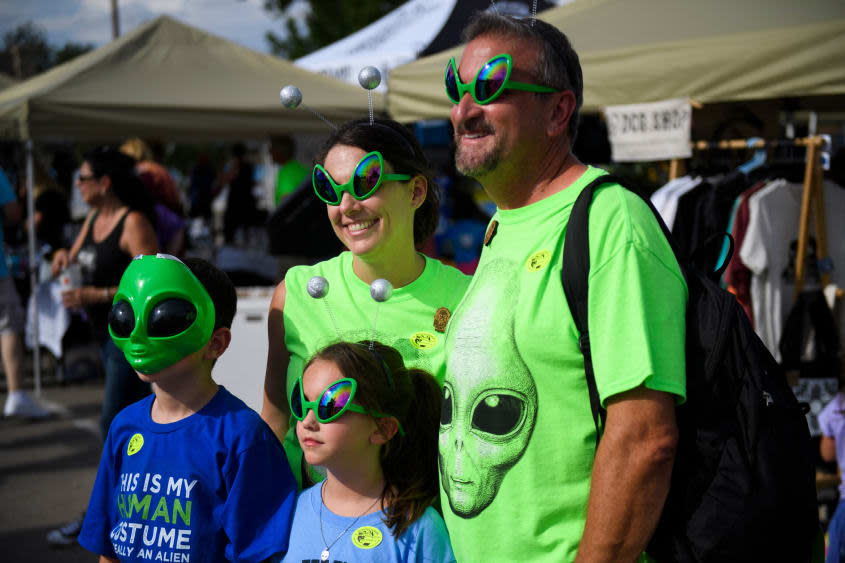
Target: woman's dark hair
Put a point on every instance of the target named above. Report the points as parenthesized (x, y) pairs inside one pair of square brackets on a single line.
[(125, 184), (412, 396), (401, 149)]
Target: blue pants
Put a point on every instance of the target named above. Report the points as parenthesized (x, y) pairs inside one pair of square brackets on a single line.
[(123, 386), (836, 535)]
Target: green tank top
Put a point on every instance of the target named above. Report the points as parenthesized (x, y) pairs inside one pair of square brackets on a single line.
[(406, 321)]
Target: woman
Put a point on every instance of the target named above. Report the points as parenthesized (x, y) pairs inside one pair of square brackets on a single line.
[(394, 210), (117, 228)]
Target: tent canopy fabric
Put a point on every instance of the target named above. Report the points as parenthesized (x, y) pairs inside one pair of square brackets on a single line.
[(417, 27), (649, 50), (167, 79)]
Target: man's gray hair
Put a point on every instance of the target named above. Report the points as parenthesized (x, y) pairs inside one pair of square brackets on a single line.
[(557, 63)]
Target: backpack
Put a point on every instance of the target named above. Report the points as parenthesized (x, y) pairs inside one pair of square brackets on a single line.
[(743, 481)]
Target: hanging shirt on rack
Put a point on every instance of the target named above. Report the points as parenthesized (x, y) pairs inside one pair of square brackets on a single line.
[(737, 275), (662, 195), (688, 221), (770, 247), (713, 214), (670, 207)]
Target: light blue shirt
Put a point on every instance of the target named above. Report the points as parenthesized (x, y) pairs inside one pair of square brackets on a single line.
[(367, 540)]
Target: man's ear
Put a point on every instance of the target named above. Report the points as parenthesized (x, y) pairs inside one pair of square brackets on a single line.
[(419, 190), (218, 343), (560, 112), (386, 429)]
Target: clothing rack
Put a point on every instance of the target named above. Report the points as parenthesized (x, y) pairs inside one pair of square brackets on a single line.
[(812, 200)]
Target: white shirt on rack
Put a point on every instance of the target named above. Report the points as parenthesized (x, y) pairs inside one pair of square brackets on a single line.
[(667, 197), (774, 215)]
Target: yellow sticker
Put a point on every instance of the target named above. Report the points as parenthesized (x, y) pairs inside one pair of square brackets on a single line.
[(424, 340), (136, 442), (366, 537), (538, 261)]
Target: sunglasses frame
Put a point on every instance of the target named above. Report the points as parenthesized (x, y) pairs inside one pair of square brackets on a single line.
[(349, 185), (507, 84), (349, 406)]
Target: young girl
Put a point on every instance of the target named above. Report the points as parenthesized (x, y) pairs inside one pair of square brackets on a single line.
[(372, 424)]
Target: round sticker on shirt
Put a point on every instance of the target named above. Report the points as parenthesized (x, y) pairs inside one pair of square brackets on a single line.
[(538, 261), (136, 442), (366, 537), (423, 340)]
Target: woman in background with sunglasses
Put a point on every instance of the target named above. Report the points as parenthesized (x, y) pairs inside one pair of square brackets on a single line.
[(118, 228), (382, 204), (373, 425)]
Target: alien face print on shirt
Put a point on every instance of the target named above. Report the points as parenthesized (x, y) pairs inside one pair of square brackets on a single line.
[(489, 396)]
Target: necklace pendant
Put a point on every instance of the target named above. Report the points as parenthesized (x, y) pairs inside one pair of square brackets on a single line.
[(325, 555)]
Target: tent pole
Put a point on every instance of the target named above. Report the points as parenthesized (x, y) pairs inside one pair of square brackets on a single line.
[(33, 269)]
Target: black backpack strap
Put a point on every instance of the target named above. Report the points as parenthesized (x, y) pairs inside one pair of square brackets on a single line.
[(575, 273)]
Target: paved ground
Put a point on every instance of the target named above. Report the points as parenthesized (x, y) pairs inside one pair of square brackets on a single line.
[(47, 470)]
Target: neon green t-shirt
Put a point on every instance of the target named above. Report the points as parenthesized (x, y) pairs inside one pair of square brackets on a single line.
[(406, 321), (517, 437), (288, 179)]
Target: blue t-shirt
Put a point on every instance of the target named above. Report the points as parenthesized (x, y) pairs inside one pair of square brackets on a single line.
[(7, 195), (214, 486), (368, 540)]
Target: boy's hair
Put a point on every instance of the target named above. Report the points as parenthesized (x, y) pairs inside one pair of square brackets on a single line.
[(219, 287), (412, 396)]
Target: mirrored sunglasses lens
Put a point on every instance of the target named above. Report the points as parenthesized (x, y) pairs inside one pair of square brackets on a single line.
[(491, 78), (170, 317), (334, 400), (296, 402), (367, 175), (122, 319), (451, 83), (323, 186)]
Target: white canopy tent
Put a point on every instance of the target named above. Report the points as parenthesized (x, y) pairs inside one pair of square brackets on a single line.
[(415, 28)]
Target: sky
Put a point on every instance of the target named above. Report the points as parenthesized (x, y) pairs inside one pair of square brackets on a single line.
[(89, 21)]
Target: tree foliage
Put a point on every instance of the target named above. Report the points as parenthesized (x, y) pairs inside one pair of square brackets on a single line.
[(26, 51), (327, 22)]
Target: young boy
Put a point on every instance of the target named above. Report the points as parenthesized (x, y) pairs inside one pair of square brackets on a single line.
[(189, 474)]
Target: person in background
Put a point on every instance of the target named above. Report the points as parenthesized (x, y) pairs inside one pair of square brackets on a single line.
[(832, 424), (169, 223), (118, 228), (18, 401), (155, 176), (241, 209), (201, 189), (291, 171)]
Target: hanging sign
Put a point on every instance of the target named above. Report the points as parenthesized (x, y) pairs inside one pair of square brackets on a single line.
[(654, 131)]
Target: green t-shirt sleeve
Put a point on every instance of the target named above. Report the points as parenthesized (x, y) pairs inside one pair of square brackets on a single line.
[(637, 300)]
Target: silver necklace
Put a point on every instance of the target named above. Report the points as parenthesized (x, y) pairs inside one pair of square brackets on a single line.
[(324, 556)]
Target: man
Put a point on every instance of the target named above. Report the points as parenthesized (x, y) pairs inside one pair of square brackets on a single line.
[(291, 171), (521, 477)]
